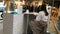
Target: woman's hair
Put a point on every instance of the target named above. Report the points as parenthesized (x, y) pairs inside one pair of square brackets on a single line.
[(43, 8), (46, 13), (55, 12)]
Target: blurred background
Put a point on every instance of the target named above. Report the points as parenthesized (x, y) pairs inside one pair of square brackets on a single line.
[(8, 6)]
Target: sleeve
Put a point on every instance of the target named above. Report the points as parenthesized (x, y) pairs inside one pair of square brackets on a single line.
[(39, 17)]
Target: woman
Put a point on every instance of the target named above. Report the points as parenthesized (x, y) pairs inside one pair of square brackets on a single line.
[(53, 23), (54, 13), (39, 25)]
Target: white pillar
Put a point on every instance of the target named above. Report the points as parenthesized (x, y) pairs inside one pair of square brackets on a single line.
[(13, 24)]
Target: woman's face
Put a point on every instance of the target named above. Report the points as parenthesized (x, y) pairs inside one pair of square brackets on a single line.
[(54, 13)]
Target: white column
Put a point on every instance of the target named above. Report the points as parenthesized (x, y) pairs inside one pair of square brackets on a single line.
[(13, 24), (18, 24)]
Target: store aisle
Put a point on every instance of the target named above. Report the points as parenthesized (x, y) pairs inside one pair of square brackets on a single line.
[(1, 28)]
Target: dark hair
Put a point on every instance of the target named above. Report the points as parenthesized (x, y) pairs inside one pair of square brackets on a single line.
[(46, 13), (43, 8)]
